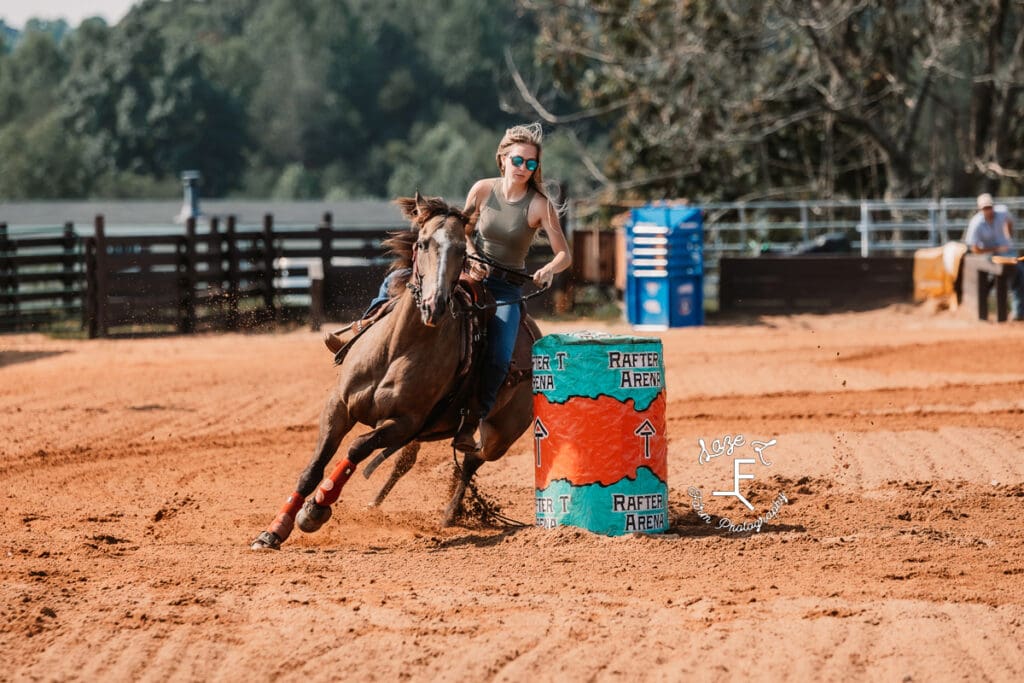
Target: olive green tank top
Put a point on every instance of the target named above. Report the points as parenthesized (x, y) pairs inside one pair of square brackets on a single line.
[(503, 233)]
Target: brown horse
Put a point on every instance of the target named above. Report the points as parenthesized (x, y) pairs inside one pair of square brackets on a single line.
[(397, 375)]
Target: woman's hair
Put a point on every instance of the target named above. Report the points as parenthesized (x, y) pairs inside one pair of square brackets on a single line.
[(529, 134)]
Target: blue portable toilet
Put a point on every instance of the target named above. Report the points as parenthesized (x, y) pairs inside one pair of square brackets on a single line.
[(665, 266)]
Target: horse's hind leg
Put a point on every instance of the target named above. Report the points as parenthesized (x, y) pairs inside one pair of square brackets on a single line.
[(334, 424), (317, 510), (470, 464), (403, 463), (498, 432)]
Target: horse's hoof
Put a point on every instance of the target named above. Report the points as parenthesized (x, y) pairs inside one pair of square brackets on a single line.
[(312, 516), (268, 540), (449, 518)]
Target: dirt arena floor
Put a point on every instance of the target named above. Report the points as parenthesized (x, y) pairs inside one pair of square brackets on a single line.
[(136, 472)]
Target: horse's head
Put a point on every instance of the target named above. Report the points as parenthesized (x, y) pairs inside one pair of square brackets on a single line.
[(438, 254)]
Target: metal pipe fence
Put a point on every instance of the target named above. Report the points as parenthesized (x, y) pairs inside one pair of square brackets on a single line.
[(872, 227)]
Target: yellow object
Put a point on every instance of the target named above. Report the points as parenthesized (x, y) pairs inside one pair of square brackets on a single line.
[(935, 270)]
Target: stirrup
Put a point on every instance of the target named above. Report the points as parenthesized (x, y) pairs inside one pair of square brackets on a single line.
[(465, 438), (466, 443)]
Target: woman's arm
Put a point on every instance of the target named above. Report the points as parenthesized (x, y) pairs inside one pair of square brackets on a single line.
[(551, 225), (474, 204)]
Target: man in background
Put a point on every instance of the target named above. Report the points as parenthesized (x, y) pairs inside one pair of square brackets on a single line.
[(991, 232)]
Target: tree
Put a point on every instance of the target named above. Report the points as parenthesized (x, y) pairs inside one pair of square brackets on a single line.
[(828, 97), (29, 78), (295, 97), (146, 106), (443, 159), (38, 159)]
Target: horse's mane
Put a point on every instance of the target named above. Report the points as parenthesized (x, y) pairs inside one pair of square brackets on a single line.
[(400, 243), (399, 246)]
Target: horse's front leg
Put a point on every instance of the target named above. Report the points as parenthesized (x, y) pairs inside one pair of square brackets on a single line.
[(335, 423), (317, 510)]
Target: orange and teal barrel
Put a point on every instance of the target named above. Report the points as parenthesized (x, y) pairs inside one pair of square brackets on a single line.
[(600, 452)]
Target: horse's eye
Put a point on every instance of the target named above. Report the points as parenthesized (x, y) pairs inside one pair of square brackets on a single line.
[(422, 244)]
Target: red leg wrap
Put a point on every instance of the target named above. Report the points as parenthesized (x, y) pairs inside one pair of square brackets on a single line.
[(330, 488), (285, 520)]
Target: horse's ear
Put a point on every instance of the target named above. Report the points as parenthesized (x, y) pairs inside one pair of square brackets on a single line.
[(408, 205), (421, 206)]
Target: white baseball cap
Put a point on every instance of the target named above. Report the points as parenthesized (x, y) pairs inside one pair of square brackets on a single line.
[(984, 200)]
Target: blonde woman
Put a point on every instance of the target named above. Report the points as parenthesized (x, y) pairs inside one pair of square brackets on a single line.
[(513, 208)]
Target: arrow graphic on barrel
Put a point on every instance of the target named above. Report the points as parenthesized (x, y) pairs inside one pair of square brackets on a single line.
[(646, 430), (539, 432)]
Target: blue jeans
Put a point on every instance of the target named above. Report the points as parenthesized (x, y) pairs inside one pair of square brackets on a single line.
[(382, 293), (1017, 289), (501, 341)]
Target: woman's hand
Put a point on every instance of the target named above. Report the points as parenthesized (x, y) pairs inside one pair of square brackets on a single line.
[(543, 277)]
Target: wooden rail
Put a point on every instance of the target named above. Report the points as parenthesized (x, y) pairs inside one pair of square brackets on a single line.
[(813, 283), (228, 278), (41, 278)]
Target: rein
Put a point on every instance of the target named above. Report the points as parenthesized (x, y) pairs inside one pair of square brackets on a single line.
[(519, 300), (415, 285)]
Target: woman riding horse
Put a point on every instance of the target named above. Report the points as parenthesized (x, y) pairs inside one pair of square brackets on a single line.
[(511, 209), (405, 376)]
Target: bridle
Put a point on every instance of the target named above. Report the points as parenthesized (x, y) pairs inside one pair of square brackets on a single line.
[(415, 284)]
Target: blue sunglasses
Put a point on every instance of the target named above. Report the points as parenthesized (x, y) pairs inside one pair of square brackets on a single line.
[(531, 164)]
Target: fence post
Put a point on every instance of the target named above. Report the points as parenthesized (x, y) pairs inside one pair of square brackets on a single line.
[(743, 229), (215, 271), (316, 303), (8, 274), (215, 257), (98, 324), (233, 275), (805, 226), (68, 262), (865, 230), (89, 294), (187, 298), (933, 228), (268, 265), (943, 221), (326, 230)]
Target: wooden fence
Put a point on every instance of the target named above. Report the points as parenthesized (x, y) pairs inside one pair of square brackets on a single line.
[(230, 277), (41, 278), (227, 278), (813, 283)]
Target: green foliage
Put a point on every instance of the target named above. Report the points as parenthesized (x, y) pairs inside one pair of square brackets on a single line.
[(39, 160), (289, 98), (297, 183), (444, 159), (146, 107), (352, 98), (8, 37), (834, 98), (29, 78)]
